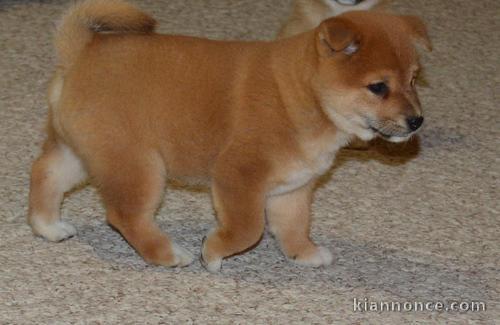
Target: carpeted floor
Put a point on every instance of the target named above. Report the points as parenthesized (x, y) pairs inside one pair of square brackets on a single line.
[(420, 222)]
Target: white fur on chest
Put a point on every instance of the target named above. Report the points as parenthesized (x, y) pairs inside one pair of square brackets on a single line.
[(318, 158)]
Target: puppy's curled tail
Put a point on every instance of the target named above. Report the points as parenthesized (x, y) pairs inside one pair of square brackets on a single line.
[(79, 24)]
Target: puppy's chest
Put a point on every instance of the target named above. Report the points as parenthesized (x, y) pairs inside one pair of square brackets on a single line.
[(317, 158)]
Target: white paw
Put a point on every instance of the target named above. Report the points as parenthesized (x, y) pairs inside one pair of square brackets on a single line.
[(322, 256), (56, 231), (213, 266), (182, 256)]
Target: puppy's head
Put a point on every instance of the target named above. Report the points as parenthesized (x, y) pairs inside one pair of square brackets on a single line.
[(367, 67)]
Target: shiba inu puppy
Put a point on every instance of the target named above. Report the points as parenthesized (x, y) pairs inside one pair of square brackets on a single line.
[(258, 121)]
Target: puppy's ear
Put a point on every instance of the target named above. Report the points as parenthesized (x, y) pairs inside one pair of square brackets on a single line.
[(416, 27), (337, 35)]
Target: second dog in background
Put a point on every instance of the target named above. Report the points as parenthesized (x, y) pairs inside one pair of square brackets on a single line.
[(308, 14)]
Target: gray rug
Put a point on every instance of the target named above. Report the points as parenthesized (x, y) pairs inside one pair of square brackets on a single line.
[(420, 222)]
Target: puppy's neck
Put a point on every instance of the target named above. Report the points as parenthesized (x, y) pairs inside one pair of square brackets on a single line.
[(294, 64)]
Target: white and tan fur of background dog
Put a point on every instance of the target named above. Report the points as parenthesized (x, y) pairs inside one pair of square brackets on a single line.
[(308, 14)]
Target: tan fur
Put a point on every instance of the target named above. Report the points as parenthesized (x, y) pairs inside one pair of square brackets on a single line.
[(78, 25), (258, 121), (289, 221)]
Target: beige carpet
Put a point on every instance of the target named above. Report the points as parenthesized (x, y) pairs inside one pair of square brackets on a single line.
[(416, 224)]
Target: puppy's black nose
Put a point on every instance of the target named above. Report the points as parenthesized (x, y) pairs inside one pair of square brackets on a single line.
[(415, 122)]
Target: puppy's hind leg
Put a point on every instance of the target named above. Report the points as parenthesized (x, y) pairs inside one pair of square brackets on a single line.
[(54, 173), (131, 184)]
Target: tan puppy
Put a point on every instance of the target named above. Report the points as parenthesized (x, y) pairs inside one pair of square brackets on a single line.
[(259, 121)]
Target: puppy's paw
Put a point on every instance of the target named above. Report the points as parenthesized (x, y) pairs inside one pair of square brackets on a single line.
[(320, 256), (212, 265), (56, 231), (182, 256), (172, 255)]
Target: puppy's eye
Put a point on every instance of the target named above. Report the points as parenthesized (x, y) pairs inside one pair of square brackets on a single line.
[(413, 81), (380, 89)]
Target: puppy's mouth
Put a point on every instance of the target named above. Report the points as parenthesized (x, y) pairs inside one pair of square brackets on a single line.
[(381, 133), (390, 131)]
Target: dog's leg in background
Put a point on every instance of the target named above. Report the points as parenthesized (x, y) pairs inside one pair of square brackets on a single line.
[(132, 191), (289, 220), (54, 173)]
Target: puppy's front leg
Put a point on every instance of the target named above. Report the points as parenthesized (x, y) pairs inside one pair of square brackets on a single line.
[(289, 220), (238, 197)]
